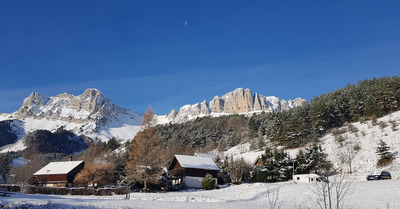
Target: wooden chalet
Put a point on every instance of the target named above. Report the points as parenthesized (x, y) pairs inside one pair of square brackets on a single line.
[(191, 170), (59, 174)]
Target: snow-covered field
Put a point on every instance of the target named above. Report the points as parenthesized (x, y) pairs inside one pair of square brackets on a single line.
[(366, 194)]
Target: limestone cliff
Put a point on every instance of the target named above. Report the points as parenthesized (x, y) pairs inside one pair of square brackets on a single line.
[(239, 101)]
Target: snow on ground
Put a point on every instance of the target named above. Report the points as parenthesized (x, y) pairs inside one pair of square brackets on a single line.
[(17, 146), (367, 194), (20, 161), (242, 151), (366, 136), (124, 128)]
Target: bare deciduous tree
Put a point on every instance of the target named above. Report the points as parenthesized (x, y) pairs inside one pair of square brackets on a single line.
[(332, 193), (236, 169), (347, 153), (273, 198)]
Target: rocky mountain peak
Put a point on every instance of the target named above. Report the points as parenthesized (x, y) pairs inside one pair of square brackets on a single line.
[(239, 101), (92, 105), (91, 114), (93, 93), (35, 99)]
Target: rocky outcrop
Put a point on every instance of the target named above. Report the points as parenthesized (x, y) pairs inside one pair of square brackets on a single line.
[(239, 101), (92, 105)]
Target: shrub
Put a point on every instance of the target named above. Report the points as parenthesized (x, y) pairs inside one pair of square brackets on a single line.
[(208, 182), (259, 176), (384, 162)]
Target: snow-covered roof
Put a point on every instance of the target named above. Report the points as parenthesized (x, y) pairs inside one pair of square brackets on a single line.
[(196, 162), (197, 154), (58, 168)]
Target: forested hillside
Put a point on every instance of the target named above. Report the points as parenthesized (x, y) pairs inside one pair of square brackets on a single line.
[(6, 135), (61, 142), (366, 100)]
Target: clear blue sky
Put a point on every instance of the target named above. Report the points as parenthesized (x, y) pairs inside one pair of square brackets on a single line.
[(170, 53)]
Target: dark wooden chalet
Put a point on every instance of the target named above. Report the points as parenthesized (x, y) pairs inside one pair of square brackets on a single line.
[(190, 170), (59, 174)]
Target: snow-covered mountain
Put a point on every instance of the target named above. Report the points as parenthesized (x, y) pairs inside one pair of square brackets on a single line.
[(239, 101), (91, 114), (94, 115)]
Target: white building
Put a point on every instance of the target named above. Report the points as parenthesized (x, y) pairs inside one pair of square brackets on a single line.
[(308, 178)]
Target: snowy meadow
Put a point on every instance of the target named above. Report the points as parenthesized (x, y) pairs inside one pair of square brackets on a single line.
[(364, 194)]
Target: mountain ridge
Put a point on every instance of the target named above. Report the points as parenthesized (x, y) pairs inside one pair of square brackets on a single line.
[(94, 115), (239, 101), (91, 114)]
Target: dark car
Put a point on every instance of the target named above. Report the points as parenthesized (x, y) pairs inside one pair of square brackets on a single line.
[(379, 176)]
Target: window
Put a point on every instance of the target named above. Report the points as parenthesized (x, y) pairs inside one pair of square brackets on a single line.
[(298, 178)]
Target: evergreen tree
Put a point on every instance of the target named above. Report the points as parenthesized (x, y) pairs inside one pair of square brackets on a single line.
[(312, 161), (5, 165), (317, 160), (383, 150), (112, 144), (301, 163), (208, 182), (275, 166)]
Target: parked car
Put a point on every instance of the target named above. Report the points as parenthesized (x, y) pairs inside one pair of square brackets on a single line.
[(379, 175)]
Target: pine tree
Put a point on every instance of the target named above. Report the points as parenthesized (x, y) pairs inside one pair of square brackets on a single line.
[(112, 144), (383, 150), (312, 161), (5, 165), (208, 182), (301, 163), (275, 166)]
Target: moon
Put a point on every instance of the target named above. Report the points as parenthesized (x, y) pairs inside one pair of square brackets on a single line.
[(186, 23)]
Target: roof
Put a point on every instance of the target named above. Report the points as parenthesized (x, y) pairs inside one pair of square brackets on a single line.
[(205, 163), (197, 154), (58, 168)]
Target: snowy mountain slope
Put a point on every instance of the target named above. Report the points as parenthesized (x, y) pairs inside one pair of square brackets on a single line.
[(366, 136), (239, 101), (90, 114), (363, 137)]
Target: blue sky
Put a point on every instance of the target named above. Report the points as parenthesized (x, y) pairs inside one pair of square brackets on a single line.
[(170, 53)]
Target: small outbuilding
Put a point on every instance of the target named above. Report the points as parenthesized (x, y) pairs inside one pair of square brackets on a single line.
[(59, 174), (191, 170)]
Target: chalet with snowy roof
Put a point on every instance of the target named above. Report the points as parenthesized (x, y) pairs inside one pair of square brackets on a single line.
[(59, 174), (191, 170)]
